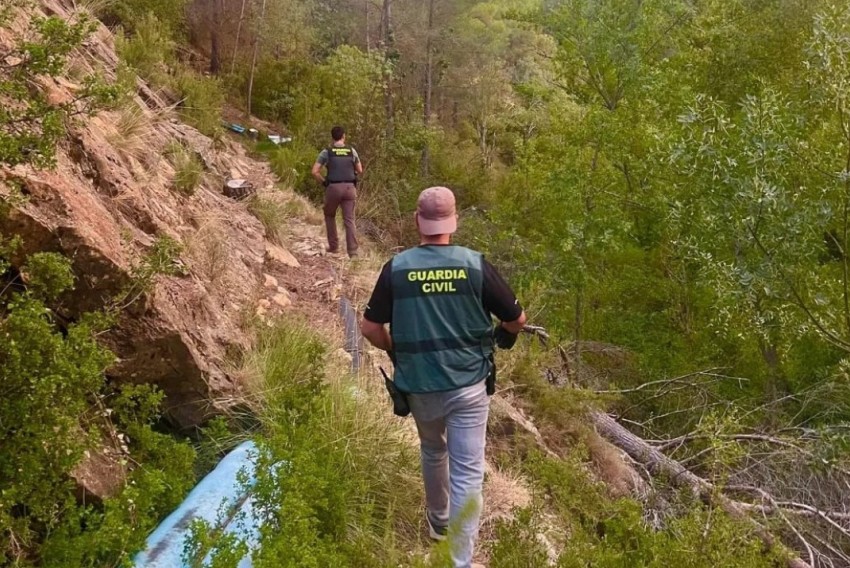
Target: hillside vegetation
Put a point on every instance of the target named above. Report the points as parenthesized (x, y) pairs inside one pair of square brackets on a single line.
[(666, 184)]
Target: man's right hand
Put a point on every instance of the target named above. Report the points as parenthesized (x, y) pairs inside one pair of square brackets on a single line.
[(504, 338)]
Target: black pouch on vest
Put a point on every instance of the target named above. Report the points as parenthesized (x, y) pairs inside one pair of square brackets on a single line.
[(490, 381), (400, 406)]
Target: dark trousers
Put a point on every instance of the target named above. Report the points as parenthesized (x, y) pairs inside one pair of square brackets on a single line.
[(341, 195)]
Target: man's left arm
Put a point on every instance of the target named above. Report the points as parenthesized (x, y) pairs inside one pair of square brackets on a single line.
[(358, 165), (379, 312), (320, 162)]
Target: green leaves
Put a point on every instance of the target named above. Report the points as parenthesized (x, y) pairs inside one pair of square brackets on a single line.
[(30, 124)]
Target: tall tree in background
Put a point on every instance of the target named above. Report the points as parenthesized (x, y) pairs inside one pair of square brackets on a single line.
[(258, 31), (428, 88), (388, 46)]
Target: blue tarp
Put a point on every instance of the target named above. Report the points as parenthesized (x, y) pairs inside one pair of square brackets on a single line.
[(222, 499)]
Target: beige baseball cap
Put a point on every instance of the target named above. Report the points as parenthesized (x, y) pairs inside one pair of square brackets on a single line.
[(436, 211)]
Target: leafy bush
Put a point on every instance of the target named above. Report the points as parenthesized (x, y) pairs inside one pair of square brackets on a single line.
[(47, 378), (108, 535), (52, 377), (149, 49), (292, 164), (30, 124), (132, 13)]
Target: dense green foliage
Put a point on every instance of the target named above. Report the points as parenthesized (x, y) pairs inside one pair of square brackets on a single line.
[(668, 177), (55, 411)]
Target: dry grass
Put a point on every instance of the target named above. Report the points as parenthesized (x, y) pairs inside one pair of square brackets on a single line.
[(134, 131), (208, 252), (277, 210), (94, 8)]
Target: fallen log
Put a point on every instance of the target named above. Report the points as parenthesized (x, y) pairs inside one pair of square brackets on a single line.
[(680, 476)]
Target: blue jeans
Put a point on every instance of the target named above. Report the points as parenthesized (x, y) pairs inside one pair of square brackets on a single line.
[(452, 429)]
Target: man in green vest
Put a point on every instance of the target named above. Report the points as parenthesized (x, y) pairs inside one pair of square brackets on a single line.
[(439, 300), (343, 168)]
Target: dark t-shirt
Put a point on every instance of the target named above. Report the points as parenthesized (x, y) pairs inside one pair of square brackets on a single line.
[(496, 295)]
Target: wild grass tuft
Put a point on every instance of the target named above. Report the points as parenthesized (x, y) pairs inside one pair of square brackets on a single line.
[(272, 213), (188, 169), (133, 132), (335, 464), (148, 50), (96, 8), (201, 101), (208, 250)]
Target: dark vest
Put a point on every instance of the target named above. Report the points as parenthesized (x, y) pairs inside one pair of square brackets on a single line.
[(341, 165), (442, 335)]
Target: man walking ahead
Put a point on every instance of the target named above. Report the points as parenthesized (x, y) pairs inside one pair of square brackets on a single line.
[(438, 299), (343, 166)]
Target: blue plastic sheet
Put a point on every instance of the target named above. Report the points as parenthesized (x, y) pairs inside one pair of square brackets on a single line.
[(222, 499)]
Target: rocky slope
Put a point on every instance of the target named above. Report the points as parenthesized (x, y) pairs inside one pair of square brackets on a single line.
[(111, 197)]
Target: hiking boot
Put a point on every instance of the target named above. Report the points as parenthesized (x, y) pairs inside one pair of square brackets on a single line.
[(436, 532), (353, 254), (329, 250)]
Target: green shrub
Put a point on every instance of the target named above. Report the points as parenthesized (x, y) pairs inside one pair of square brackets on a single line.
[(149, 49), (131, 13), (201, 101), (30, 124), (53, 378), (188, 168), (108, 535), (292, 164)]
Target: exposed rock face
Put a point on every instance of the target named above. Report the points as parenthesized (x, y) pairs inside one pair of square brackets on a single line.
[(106, 203)]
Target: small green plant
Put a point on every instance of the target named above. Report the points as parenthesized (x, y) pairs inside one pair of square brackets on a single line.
[(161, 258), (188, 168)]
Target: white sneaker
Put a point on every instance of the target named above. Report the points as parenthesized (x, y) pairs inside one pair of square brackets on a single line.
[(436, 532)]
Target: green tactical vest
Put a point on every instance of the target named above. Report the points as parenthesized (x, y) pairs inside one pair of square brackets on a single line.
[(442, 335)]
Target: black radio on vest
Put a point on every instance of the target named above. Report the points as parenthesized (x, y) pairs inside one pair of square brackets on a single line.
[(341, 165)]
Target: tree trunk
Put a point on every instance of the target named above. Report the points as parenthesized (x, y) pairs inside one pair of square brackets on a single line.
[(428, 88), (215, 30), (236, 41), (368, 42), (663, 467), (254, 58), (388, 43)]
